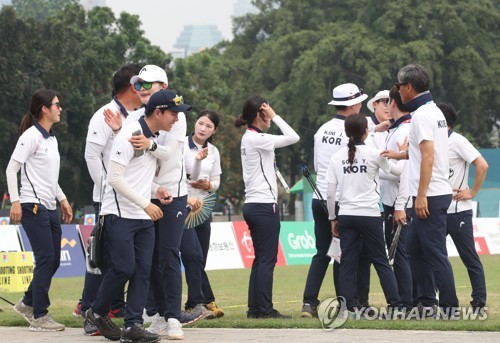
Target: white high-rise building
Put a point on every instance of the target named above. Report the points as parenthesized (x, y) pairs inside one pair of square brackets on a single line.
[(195, 38)]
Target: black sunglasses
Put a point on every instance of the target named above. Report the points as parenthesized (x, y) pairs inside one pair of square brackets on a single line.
[(399, 84)]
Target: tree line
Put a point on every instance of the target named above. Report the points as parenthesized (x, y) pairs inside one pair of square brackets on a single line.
[(292, 52)]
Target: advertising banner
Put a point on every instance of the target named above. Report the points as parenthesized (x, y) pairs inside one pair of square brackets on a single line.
[(487, 235), (9, 238), (298, 241), (223, 252), (245, 243), (16, 271), (72, 258)]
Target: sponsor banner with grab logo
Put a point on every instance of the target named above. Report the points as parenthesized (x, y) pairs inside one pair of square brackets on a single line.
[(299, 244)]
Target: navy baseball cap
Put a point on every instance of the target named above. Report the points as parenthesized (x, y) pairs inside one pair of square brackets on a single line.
[(167, 99)]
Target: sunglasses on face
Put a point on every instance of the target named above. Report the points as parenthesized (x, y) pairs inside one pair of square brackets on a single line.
[(143, 84), (384, 101), (399, 84)]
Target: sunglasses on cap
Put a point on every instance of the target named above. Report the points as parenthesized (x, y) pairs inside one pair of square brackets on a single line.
[(143, 84)]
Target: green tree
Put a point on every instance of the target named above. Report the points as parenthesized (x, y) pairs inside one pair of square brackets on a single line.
[(39, 9)]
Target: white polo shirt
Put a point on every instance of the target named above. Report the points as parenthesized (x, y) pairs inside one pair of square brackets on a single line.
[(428, 123), (394, 189), (138, 174), (257, 160), (100, 133), (462, 153), (358, 185), (209, 166), (329, 139), (38, 151), (172, 172), (375, 139)]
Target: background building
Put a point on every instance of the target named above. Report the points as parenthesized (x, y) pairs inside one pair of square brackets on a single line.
[(195, 38)]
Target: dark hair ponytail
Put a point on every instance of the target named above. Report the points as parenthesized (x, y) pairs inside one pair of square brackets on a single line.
[(355, 128), (250, 109), (352, 150), (239, 122), (41, 97)]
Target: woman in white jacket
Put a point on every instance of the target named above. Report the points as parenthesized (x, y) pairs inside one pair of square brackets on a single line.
[(260, 210), (354, 173), (37, 156)]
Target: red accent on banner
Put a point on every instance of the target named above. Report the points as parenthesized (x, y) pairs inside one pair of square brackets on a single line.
[(246, 245), (481, 246)]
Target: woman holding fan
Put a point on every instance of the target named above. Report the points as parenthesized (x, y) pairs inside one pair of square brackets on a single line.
[(203, 169)]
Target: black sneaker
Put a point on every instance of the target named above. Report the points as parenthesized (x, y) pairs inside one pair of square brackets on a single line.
[(476, 305), (188, 318), (274, 314), (309, 311), (137, 334), (90, 329), (105, 325), (252, 314)]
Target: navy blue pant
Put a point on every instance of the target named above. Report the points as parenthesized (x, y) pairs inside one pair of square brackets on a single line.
[(44, 233), (92, 282), (203, 232), (192, 259), (165, 294), (354, 232), (363, 277), (402, 269), (263, 221), (429, 255), (199, 289), (320, 261), (129, 244), (459, 227)]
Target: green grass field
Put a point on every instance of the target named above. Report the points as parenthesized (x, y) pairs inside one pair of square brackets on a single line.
[(230, 287)]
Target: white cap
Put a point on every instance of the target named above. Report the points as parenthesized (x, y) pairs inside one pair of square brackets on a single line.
[(150, 73), (347, 94), (380, 95)]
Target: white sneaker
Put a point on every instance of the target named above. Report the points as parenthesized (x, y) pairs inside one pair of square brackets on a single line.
[(24, 310), (158, 326), (46, 323), (174, 329), (148, 319)]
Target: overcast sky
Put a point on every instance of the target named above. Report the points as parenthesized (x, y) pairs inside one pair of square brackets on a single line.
[(163, 20)]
